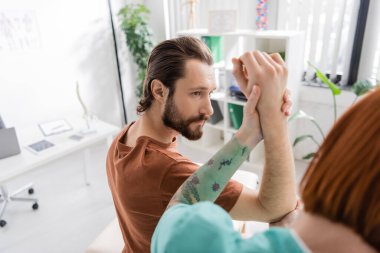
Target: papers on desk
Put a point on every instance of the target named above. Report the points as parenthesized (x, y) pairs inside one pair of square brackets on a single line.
[(76, 137), (54, 127), (42, 145)]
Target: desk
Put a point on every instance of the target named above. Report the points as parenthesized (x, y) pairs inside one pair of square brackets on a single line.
[(26, 161)]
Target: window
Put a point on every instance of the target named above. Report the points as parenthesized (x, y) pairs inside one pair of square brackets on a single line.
[(370, 61), (329, 27)]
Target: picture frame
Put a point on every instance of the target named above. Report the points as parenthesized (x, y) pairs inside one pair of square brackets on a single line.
[(222, 21), (54, 127)]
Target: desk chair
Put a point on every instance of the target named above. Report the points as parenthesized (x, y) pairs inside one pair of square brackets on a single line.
[(5, 197), (8, 135)]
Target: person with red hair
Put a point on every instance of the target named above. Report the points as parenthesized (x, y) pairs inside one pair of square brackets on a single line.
[(340, 191), (341, 187)]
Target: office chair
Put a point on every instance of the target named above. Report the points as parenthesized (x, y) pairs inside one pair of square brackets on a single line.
[(8, 135), (5, 198)]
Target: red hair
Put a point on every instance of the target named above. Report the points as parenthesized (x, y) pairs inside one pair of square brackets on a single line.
[(342, 182)]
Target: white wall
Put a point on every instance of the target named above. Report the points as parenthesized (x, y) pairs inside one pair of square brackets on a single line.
[(156, 19), (68, 41)]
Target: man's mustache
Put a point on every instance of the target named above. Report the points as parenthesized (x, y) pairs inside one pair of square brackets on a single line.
[(197, 118)]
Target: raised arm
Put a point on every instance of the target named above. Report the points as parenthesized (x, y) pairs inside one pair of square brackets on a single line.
[(277, 194)]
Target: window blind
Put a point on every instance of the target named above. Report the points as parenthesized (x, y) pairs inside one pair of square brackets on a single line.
[(329, 26)]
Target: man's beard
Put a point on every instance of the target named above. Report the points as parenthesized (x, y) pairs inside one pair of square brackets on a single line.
[(172, 118)]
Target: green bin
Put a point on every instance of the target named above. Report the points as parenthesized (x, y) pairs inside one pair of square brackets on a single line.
[(236, 115), (215, 44)]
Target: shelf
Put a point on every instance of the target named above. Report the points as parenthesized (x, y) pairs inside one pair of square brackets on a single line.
[(269, 34), (276, 34), (235, 101), (219, 65), (204, 32), (218, 96), (231, 130)]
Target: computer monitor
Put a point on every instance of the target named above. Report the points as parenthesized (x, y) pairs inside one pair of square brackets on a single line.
[(9, 143), (2, 125)]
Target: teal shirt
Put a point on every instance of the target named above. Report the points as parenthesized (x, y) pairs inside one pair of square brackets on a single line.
[(207, 228)]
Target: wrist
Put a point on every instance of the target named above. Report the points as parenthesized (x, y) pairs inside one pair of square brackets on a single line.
[(275, 127), (248, 137), (273, 118)]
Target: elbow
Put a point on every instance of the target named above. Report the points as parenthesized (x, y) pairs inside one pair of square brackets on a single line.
[(276, 211)]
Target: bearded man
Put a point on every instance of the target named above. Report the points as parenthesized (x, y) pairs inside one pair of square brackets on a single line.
[(144, 168)]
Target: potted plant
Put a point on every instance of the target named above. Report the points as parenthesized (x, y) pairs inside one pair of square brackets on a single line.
[(134, 23), (359, 88)]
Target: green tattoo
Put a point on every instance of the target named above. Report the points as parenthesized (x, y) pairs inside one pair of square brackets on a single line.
[(224, 163), (243, 151), (209, 180)]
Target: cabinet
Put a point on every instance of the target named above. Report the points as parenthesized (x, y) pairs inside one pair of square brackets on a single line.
[(290, 44)]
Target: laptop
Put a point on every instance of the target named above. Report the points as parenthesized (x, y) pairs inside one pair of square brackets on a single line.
[(8, 142)]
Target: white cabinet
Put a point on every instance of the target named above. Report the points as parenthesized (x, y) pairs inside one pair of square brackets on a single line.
[(234, 44)]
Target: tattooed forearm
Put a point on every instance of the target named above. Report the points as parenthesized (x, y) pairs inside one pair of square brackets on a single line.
[(190, 191), (224, 163), (209, 180), (243, 151), (187, 193)]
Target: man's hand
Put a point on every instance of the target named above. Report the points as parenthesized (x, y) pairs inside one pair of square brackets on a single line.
[(251, 120), (269, 73), (241, 77), (277, 194), (250, 133)]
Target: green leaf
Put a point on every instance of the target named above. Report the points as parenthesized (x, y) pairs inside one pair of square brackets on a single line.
[(361, 87), (308, 156), (302, 138), (335, 89), (134, 24)]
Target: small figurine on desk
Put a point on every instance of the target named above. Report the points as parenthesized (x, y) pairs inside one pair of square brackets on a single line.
[(86, 115)]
